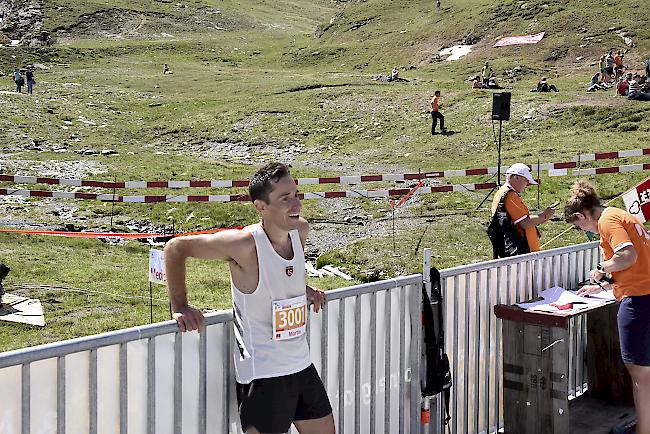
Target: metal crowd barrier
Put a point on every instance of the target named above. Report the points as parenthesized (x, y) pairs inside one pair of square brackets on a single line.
[(473, 333), (153, 379)]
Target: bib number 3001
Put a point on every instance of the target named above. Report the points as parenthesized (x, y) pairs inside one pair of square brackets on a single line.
[(289, 318)]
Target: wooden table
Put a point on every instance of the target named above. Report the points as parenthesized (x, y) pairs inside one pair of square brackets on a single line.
[(536, 373)]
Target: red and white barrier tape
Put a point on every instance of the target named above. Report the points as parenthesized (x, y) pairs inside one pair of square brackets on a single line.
[(110, 234), (241, 197), (407, 196), (351, 179), (601, 170), (309, 195)]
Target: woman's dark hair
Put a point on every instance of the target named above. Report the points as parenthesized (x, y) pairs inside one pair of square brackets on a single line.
[(583, 198), (261, 184)]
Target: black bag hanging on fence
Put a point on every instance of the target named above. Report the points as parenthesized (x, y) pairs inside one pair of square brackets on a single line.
[(506, 239), (437, 373), (4, 270)]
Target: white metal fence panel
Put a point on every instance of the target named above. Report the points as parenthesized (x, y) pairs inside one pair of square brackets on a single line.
[(365, 344), (153, 379), (473, 333)]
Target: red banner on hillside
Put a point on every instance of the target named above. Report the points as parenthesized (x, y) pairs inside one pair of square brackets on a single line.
[(518, 40), (637, 201)]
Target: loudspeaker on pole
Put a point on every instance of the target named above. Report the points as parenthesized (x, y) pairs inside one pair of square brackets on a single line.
[(501, 106)]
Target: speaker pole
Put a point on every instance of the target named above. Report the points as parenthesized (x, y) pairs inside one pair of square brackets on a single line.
[(499, 156)]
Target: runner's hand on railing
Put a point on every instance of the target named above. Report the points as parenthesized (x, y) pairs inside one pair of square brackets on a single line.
[(316, 296), (188, 319)]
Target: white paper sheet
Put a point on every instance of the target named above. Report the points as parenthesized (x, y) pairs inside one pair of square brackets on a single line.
[(558, 295)]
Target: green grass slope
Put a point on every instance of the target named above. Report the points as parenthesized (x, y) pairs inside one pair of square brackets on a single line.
[(260, 80), (382, 32)]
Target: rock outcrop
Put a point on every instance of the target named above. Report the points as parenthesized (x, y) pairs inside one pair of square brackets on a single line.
[(22, 20)]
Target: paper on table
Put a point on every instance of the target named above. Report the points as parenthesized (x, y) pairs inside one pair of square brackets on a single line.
[(558, 295), (604, 295)]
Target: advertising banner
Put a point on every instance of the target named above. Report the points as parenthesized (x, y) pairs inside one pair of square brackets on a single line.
[(157, 267), (637, 201)]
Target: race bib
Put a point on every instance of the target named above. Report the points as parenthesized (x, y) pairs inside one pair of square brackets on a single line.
[(289, 318)]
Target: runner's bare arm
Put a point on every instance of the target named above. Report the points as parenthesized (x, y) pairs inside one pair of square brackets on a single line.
[(224, 246), (316, 296), (303, 230)]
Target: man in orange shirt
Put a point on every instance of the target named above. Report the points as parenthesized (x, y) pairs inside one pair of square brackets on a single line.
[(618, 65), (518, 177), (435, 114), (625, 247)]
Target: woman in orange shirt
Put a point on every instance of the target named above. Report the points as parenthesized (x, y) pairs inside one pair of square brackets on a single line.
[(625, 247)]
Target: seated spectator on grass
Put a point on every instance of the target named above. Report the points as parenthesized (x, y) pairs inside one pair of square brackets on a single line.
[(492, 83), (394, 76), (543, 86), (477, 83), (623, 85), (644, 83), (595, 84), (635, 91)]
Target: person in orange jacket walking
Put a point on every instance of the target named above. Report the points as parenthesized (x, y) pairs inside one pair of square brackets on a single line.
[(435, 114)]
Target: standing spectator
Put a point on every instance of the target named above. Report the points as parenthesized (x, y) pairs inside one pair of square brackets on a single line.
[(609, 68), (517, 228), (30, 80), (601, 65), (486, 72), (619, 67), (435, 114), (19, 80), (647, 68)]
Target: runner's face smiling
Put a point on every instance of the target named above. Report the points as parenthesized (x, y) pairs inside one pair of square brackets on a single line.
[(284, 205)]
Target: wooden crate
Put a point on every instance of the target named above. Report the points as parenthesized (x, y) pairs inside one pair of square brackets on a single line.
[(536, 374)]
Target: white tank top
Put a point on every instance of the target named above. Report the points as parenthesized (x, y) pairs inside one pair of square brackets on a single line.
[(258, 352)]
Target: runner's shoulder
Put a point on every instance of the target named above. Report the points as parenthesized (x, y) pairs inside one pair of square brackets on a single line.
[(236, 239), (303, 228)]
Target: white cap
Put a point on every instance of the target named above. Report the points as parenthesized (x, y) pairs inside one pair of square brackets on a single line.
[(521, 170)]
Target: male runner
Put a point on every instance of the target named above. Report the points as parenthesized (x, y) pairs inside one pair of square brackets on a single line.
[(277, 384)]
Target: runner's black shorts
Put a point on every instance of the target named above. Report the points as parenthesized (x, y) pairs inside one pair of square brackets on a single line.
[(634, 330), (272, 404)]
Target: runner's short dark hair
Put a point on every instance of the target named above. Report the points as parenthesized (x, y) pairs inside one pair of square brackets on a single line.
[(261, 184)]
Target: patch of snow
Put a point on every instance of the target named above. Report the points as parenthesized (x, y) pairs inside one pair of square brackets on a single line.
[(456, 52)]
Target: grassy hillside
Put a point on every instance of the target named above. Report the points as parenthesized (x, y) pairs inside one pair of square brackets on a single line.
[(254, 81), (384, 32)]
